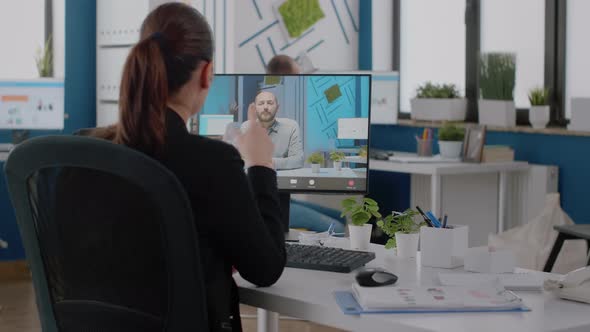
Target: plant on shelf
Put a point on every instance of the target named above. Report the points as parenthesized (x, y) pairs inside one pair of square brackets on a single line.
[(316, 158), (497, 78), (44, 59), (337, 156), (363, 151), (539, 112), (402, 231), (451, 132), (359, 214), (450, 141), (438, 91), (438, 102), (539, 97)]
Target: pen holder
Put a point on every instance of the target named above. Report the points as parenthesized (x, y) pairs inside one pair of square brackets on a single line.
[(424, 147), (443, 247)]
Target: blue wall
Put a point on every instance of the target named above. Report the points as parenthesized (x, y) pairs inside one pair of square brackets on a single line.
[(80, 102), (569, 153)]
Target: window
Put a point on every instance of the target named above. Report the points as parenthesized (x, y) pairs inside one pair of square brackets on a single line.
[(517, 27), (22, 32), (577, 82), (432, 45)]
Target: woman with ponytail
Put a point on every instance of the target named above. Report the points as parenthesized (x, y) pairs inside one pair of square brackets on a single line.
[(165, 81)]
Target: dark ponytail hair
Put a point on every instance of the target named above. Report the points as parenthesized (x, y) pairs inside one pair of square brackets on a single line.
[(175, 38)]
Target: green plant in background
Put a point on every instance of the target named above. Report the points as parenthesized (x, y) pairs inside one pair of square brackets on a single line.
[(539, 97), (439, 91), (497, 76), (399, 223), (300, 15), (44, 59), (361, 212), (363, 151), (316, 158), (451, 132), (337, 156)]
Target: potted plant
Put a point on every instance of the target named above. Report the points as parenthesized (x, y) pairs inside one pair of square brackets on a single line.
[(539, 112), (337, 158), (358, 215), (496, 81), (363, 151), (44, 59), (316, 159), (450, 141), (438, 102), (403, 232)]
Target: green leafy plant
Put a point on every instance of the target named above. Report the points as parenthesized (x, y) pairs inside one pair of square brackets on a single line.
[(539, 97), (363, 151), (497, 76), (439, 91), (316, 158), (360, 212), (44, 59), (399, 223), (451, 133), (337, 156)]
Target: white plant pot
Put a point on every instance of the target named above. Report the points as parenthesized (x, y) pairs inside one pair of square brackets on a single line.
[(450, 149), (539, 116), (360, 236), (390, 253), (315, 168), (338, 165), (437, 109), (499, 113), (407, 244)]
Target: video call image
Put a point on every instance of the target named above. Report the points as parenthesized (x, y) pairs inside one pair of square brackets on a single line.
[(319, 125)]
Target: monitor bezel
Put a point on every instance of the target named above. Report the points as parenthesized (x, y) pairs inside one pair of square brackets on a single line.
[(320, 191)]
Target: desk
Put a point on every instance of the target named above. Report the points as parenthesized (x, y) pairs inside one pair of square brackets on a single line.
[(437, 170), (308, 295)]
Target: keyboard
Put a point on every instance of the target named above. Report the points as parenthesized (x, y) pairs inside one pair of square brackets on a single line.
[(326, 259)]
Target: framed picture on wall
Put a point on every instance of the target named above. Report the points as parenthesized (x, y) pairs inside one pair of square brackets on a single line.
[(475, 138)]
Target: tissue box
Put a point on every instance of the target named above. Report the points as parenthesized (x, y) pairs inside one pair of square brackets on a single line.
[(485, 260), (443, 247)]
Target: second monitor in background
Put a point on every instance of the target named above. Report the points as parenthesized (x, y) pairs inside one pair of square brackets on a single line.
[(319, 125)]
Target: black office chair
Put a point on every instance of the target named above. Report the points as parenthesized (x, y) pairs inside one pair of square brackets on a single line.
[(109, 235), (567, 232)]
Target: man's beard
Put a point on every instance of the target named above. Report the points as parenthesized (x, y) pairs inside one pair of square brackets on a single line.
[(266, 117)]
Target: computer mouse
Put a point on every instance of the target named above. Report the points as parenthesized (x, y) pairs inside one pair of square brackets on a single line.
[(375, 278)]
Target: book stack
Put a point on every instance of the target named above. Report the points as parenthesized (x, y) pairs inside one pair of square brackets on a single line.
[(497, 154)]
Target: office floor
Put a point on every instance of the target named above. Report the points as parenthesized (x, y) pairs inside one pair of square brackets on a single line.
[(18, 313)]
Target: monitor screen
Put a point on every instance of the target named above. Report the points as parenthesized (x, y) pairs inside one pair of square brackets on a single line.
[(32, 104), (319, 125)]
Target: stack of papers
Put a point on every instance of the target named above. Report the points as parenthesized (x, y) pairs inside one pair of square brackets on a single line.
[(510, 281), (409, 158), (436, 298)]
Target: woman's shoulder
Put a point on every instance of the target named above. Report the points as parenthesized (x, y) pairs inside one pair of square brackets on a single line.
[(211, 148)]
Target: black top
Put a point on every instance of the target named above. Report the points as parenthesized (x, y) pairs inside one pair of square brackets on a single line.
[(237, 216)]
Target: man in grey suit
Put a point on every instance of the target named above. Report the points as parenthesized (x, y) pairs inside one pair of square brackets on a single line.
[(284, 133)]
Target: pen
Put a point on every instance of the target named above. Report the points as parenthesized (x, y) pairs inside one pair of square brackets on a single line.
[(425, 134), (433, 219), (444, 225), (426, 219)]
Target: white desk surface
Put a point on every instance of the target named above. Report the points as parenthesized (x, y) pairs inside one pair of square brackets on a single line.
[(308, 295), (446, 168)]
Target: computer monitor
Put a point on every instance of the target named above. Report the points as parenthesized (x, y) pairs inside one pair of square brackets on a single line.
[(214, 124), (32, 104), (321, 115)]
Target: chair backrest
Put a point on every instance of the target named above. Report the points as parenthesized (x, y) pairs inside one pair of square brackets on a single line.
[(109, 235)]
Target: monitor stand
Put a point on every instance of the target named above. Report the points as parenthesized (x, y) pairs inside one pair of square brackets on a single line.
[(291, 235)]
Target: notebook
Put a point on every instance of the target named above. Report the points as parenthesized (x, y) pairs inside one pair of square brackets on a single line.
[(510, 281), (429, 299)]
